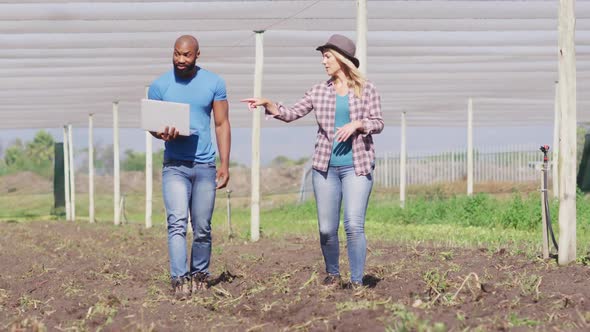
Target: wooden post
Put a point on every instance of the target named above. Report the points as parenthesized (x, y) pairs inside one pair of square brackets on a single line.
[(149, 170), (402, 165), (567, 152), (116, 167), (255, 170), (470, 147), (67, 174), (361, 35), (72, 175), (91, 217), (555, 152)]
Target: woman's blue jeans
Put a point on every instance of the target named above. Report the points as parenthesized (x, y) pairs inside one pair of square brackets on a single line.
[(340, 184), (189, 187)]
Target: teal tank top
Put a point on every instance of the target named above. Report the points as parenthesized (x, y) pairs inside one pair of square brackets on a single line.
[(341, 151)]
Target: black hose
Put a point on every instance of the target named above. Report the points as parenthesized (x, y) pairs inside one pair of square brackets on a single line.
[(546, 199)]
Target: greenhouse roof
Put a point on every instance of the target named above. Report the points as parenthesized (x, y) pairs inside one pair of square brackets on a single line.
[(62, 60)]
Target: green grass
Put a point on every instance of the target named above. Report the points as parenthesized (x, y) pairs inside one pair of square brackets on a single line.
[(23, 207), (479, 220)]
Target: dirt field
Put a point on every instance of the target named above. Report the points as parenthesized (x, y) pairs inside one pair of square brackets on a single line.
[(61, 276)]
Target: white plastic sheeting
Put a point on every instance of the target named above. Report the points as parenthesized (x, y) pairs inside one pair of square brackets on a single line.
[(61, 60)]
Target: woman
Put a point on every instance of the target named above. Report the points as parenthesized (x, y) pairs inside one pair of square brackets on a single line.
[(348, 112)]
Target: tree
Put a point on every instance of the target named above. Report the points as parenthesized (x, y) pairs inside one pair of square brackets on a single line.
[(41, 149), (104, 161), (282, 161), (134, 161), (14, 156), (35, 156), (231, 163)]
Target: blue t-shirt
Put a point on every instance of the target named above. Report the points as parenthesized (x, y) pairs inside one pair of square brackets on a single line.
[(199, 92), (341, 151)]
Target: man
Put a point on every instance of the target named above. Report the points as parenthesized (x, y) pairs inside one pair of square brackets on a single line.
[(189, 174)]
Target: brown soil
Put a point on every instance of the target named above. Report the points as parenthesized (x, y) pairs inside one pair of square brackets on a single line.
[(24, 183), (62, 275)]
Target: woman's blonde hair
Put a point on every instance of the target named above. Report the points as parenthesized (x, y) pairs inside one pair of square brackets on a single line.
[(356, 79)]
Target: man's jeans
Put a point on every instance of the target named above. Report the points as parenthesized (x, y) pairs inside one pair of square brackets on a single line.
[(188, 185), (331, 188)]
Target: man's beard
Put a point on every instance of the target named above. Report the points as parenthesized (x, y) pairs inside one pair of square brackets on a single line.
[(186, 71)]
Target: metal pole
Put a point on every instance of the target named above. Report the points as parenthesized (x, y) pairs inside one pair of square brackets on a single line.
[(255, 170), (511, 164), (116, 169), (385, 173), (395, 168), (545, 240), (519, 176), (452, 166), (91, 217)]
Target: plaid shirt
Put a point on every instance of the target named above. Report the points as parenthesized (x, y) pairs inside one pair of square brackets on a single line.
[(322, 99)]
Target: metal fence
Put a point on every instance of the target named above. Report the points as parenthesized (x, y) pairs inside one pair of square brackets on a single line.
[(490, 164)]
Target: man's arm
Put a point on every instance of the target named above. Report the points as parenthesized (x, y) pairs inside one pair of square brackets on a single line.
[(223, 135)]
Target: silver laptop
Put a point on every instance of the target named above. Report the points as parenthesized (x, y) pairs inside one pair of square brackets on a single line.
[(157, 114)]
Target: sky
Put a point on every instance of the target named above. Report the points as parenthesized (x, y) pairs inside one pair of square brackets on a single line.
[(297, 142)]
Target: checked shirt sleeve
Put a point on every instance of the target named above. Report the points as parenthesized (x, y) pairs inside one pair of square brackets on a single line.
[(373, 124), (299, 110)]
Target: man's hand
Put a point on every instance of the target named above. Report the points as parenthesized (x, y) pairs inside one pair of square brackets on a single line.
[(168, 134), (222, 176)]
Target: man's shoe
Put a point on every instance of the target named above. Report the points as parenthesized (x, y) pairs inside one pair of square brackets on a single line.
[(332, 281), (180, 287), (199, 281)]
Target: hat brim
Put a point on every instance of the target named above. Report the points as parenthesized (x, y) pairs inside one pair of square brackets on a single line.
[(354, 60)]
